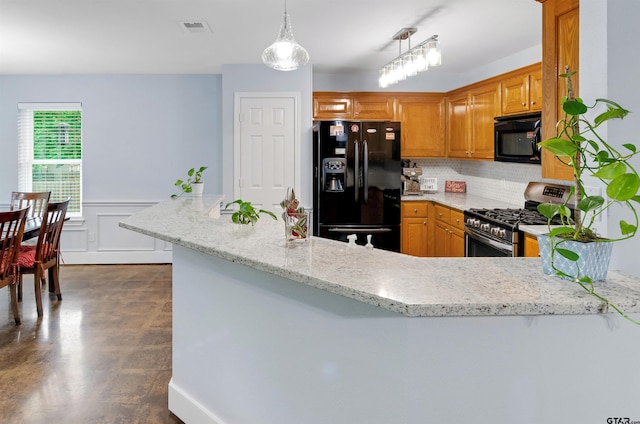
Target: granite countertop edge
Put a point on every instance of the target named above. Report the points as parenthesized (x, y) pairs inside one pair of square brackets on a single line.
[(411, 286)]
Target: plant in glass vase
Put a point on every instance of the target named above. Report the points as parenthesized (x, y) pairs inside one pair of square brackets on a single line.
[(579, 144), (296, 218)]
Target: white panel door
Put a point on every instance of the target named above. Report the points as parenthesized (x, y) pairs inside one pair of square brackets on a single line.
[(266, 150)]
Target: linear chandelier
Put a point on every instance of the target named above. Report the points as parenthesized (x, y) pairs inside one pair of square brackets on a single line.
[(414, 60)]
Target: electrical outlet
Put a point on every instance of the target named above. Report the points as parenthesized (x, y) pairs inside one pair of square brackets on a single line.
[(91, 236), (593, 191)]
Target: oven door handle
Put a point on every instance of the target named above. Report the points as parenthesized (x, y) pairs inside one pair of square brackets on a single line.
[(488, 241)]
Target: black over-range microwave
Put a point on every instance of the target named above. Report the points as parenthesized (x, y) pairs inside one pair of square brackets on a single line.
[(517, 138)]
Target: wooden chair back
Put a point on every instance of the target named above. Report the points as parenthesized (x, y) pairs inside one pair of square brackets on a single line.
[(37, 201), (11, 231), (48, 246)]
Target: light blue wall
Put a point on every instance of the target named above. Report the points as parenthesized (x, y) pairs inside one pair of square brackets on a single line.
[(260, 79), (140, 132), (614, 76)]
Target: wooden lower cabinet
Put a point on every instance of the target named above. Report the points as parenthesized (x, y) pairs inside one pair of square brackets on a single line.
[(449, 232), (531, 249), (415, 228)]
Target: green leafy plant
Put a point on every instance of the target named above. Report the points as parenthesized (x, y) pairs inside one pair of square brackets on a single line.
[(186, 186), (579, 145), (246, 213)]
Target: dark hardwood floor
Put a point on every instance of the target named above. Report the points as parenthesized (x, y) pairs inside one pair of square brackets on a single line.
[(101, 355)]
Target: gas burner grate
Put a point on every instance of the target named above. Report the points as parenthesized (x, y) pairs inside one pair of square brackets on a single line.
[(513, 217)]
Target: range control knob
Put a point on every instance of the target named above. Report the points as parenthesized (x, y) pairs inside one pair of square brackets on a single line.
[(485, 227), (498, 232), (472, 222)]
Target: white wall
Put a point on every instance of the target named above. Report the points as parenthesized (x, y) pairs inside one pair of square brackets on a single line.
[(436, 79), (140, 133)]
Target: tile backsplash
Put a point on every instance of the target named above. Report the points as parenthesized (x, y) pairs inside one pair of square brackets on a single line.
[(494, 180)]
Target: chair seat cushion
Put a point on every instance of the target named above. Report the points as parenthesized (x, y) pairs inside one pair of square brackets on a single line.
[(27, 256)]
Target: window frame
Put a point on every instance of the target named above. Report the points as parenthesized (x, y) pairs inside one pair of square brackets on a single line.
[(26, 146)]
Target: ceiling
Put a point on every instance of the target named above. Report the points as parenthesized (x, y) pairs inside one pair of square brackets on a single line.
[(341, 36)]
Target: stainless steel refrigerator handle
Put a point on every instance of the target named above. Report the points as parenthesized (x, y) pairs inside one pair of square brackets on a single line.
[(356, 171), (365, 170)]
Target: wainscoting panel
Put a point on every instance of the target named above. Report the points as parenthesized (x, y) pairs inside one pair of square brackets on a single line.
[(96, 238), (113, 238)]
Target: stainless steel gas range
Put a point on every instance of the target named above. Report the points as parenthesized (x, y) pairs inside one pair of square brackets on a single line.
[(495, 232)]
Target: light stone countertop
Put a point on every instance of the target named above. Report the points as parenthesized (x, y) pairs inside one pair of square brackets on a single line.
[(405, 284), (460, 201)]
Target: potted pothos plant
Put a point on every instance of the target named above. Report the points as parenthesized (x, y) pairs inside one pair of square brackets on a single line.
[(193, 184), (247, 213), (567, 250)]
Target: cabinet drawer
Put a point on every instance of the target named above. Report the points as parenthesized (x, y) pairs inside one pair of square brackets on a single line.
[(414, 209), (443, 213), (457, 219)]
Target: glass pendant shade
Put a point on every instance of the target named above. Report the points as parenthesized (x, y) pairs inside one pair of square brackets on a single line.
[(285, 54), (434, 56)]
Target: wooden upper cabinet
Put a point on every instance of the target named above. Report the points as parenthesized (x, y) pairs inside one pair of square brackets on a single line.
[(484, 106), (457, 125), (515, 94), (422, 118), (334, 105), (535, 89), (560, 42), (331, 106), (522, 91), (470, 117), (367, 106)]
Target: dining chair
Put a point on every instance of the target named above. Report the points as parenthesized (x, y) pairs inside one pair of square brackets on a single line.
[(37, 200), (11, 229), (45, 255)]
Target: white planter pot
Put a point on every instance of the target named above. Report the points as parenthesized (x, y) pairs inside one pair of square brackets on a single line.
[(196, 189), (593, 261)]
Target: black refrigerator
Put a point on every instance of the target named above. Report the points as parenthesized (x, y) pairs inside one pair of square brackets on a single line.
[(357, 181)]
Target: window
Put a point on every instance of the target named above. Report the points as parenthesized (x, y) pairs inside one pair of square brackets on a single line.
[(50, 151)]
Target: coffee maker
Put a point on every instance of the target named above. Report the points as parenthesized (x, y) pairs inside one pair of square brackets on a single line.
[(411, 180)]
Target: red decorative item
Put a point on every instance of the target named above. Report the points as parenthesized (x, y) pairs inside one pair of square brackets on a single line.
[(455, 187)]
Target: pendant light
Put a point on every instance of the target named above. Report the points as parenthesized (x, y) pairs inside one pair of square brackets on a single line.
[(285, 54), (415, 59)]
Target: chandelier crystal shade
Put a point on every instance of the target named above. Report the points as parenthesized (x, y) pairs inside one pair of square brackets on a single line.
[(414, 60), (285, 54)]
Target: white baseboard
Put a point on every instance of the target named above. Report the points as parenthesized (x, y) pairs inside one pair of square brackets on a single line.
[(188, 409), (104, 258)]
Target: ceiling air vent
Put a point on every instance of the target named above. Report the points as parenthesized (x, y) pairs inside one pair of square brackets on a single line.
[(195, 27)]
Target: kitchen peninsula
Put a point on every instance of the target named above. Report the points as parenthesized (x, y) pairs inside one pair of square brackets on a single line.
[(320, 332)]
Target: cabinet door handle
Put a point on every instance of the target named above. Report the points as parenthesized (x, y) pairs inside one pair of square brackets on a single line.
[(524, 104), (533, 102)]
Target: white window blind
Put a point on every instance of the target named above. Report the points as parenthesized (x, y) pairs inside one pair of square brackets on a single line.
[(50, 151)]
